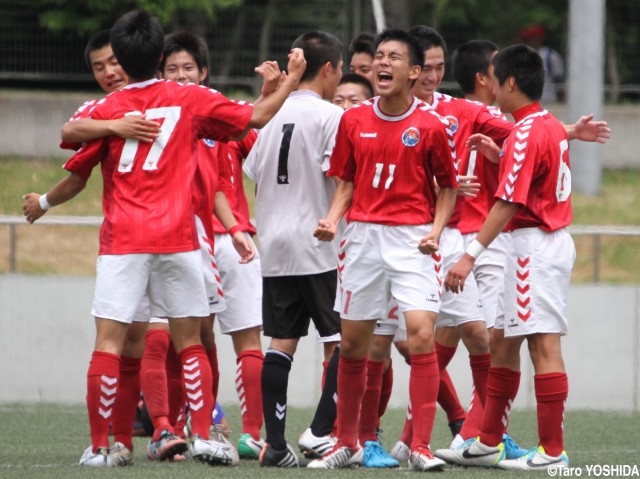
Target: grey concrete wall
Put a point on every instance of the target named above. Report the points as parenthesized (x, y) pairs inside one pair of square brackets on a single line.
[(30, 123), (47, 333)]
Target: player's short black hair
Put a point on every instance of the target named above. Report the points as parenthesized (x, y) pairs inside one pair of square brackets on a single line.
[(416, 57), (358, 80), (96, 42), (188, 42), (137, 40), (363, 43), (472, 57), (319, 48), (524, 64), (428, 38)]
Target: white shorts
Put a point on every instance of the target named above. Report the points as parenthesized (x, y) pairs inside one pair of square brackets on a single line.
[(334, 338), (242, 284), (537, 282), (489, 272), (463, 307), (393, 325), (377, 262), (173, 282), (212, 281)]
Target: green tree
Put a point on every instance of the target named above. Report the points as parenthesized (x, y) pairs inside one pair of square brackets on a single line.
[(85, 17)]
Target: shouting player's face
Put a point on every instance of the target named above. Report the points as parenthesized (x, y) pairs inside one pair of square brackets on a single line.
[(181, 67), (392, 72), (431, 76), (106, 69)]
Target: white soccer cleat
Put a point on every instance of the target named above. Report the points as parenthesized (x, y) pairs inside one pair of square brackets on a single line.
[(313, 446), (423, 460), (400, 452), (473, 453), (100, 458), (248, 447), (217, 435), (536, 460), (209, 452), (339, 457)]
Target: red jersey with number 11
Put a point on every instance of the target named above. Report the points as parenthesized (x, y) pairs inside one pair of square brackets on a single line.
[(147, 195), (392, 161)]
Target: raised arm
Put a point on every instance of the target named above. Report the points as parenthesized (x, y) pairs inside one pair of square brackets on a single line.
[(269, 105), (585, 129)]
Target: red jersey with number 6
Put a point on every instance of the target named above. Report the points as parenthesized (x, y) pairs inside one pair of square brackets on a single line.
[(147, 195), (535, 171), (392, 161)]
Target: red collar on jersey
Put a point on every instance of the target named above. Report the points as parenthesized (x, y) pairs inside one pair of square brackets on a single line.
[(525, 111)]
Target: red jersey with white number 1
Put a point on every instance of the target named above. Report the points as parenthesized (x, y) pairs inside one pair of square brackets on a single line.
[(535, 171), (392, 161), (465, 118), (147, 194)]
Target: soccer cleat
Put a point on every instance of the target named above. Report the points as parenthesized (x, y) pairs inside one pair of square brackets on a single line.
[(511, 448), (121, 455), (100, 458), (209, 451), (400, 452), (450, 454), (272, 457), (339, 457), (376, 457), (473, 453), (217, 435), (422, 460), (536, 460), (248, 447), (455, 427), (166, 447), (456, 442), (314, 447)]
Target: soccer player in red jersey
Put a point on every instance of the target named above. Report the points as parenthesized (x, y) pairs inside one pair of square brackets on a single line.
[(387, 152), (149, 235), (534, 199)]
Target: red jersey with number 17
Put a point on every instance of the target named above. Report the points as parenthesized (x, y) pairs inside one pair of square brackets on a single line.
[(535, 171), (147, 195), (392, 161)]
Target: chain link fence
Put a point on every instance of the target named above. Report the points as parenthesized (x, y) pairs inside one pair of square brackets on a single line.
[(242, 36)]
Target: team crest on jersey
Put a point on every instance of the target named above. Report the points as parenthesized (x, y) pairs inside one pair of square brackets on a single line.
[(209, 142), (453, 123), (411, 137)]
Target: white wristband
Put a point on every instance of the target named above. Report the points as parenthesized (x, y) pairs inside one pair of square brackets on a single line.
[(44, 204), (475, 249)]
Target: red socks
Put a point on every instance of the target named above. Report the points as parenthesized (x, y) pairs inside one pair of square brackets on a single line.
[(423, 392), (248, 386), (124, 411), (212, 354), (176, 396), (473, 422), (447, 396), (551, 393), (502, 388), (102, 386), (197, 384), (371, 402), (153, 379), (352, 378), (407, 431), (387, 389), (480, 371)]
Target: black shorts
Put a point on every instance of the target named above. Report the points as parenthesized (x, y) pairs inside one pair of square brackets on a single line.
[(290, 302)]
